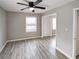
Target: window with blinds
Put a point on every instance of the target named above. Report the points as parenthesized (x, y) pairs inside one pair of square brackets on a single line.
[(31, 24)]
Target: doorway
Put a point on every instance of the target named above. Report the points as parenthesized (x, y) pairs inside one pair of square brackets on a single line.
[(54, 24), (76, 33), (49, 30)]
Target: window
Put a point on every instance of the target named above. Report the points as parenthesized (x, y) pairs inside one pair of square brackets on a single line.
[(31, 24), (54, 23)]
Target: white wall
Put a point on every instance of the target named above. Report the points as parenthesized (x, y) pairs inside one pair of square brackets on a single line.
[(16, 25), (65, 27), (3, 28)]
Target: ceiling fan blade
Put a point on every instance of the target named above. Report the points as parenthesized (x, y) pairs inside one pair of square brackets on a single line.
[(24, 8), (37, 2), (22, 4), (26, 1), (39, 7)]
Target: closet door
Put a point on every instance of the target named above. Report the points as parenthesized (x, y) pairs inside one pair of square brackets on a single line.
[(46, 25)]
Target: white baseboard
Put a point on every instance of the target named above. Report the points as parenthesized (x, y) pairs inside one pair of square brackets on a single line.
[(21, 39), (64, 53)]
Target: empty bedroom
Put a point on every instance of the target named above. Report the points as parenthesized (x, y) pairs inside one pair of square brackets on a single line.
[(38, 29)]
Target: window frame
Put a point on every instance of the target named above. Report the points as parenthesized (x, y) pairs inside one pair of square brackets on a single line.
[(31, 25)]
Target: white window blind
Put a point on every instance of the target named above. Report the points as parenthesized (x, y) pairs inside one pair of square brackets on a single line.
[(31, 24)]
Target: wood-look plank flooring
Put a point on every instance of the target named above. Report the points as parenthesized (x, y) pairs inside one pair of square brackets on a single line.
[(43, 48)]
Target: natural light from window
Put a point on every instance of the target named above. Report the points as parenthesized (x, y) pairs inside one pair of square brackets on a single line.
[(54, 23), (31, 24)]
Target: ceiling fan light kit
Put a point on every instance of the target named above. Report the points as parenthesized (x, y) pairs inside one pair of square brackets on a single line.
[(32, 5), (31, 8)]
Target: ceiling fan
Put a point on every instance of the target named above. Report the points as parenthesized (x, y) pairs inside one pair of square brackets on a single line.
[(31, 5)]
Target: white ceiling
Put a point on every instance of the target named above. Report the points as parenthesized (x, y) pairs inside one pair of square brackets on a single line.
[(10, 5)]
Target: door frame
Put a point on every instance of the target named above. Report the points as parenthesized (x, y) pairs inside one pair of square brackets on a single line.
[(74, 31), (47, 15)]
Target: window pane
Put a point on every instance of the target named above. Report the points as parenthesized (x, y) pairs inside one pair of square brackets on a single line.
[(54, 26), (31, 20), (31, 29), (54, 20), (54, 23)]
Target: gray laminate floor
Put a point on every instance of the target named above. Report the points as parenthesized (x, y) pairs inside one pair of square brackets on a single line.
[(30, 49)]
